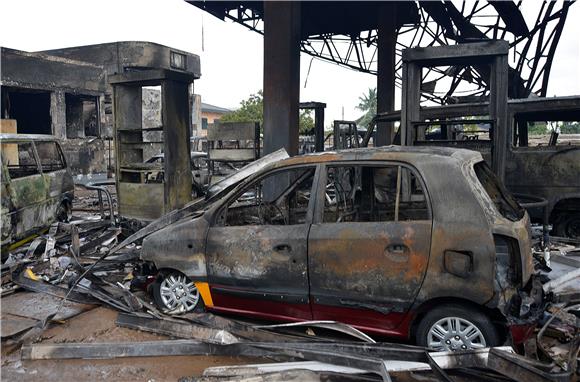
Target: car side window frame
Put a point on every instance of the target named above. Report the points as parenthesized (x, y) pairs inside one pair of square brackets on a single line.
[(9, 178), (60, 154), (219, 215), (318, 217)]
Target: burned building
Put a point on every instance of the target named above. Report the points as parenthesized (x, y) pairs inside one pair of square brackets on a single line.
[(65, 93)]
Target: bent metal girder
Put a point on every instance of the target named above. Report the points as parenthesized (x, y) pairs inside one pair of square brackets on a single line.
[(533, 30)]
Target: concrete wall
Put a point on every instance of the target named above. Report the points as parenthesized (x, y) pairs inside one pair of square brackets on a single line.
[(67, 76)]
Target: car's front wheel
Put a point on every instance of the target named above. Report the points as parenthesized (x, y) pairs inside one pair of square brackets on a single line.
[(456, 328), (175, 293)]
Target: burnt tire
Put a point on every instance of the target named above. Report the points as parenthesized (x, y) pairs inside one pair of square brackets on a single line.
[(175, 293), (456, 328), (567, 224)]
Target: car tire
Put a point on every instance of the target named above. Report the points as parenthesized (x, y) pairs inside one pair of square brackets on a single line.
[(568, 225), (174, 293), (437, 330)]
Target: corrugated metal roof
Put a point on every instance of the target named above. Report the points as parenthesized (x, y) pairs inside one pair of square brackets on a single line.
[(213, 109)]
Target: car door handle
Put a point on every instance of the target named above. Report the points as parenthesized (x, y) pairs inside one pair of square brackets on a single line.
[(282, 248), (398, 249)]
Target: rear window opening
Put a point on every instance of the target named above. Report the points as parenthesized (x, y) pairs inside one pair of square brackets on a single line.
[(505, 203)]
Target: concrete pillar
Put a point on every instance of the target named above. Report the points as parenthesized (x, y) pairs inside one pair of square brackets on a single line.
[(281, 75), (176, 146), (319, 128), (387, 42), (58, 114)]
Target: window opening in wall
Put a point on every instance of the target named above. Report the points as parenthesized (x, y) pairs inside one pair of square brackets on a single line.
[(91, 117), (82, 116), (30, 109)]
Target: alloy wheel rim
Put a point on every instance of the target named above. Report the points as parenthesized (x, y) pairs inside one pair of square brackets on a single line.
[(178, 293), (454, 334)]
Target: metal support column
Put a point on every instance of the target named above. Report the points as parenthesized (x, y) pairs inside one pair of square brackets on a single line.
[(387, 41), (281, 75), (498, 94)]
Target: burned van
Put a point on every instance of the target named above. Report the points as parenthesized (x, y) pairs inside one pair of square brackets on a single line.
[(37, 186)]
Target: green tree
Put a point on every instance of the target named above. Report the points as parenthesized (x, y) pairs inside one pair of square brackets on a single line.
[(570, 128), (252, 110), (368, 105)]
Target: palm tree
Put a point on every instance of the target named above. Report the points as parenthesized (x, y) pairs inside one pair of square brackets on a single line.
[(368, 105)]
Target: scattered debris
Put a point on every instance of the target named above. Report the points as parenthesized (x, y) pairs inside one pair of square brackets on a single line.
[(95, 260)]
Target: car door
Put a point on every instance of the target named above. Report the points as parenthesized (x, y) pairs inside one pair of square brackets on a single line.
[(257, 247), (55, 173), (369, 244)]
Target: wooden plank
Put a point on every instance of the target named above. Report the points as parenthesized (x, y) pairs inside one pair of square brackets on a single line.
[(8, 126), (108, 350), (232, 155), (232, 131), (10, 151)]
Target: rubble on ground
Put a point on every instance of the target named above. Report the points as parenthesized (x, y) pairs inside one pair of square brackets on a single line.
[(79, 265)]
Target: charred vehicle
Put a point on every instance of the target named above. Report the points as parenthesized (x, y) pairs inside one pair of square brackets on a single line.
[(542, 151), (376, 238), (199, 171), (37, 186)]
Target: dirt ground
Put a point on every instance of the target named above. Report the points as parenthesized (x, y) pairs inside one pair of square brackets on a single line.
[(98, 325)]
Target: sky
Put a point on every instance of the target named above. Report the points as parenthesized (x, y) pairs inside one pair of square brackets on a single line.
[(231, 55)]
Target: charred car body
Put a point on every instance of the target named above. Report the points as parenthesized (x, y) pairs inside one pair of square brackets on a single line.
[(375, 238), (37, 186)]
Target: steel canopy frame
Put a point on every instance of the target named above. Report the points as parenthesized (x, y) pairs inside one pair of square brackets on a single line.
[(532, 42)]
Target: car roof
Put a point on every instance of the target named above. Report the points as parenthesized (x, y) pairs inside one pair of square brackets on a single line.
[(27, 137), (407, 153)]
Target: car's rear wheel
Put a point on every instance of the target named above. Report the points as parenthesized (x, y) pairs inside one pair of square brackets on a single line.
[(174, 292), (456, 328)]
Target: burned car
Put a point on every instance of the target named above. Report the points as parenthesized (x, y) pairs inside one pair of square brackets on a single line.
[(199, 171), (37, 186), (376, 238)]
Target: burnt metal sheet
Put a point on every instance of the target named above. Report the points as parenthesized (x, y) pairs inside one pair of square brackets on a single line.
[(521, 369), (39, 306), (177, 329), (11, 325), (239, 328), (265, 368), (109, 350), (331, 325), (52, 290)]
